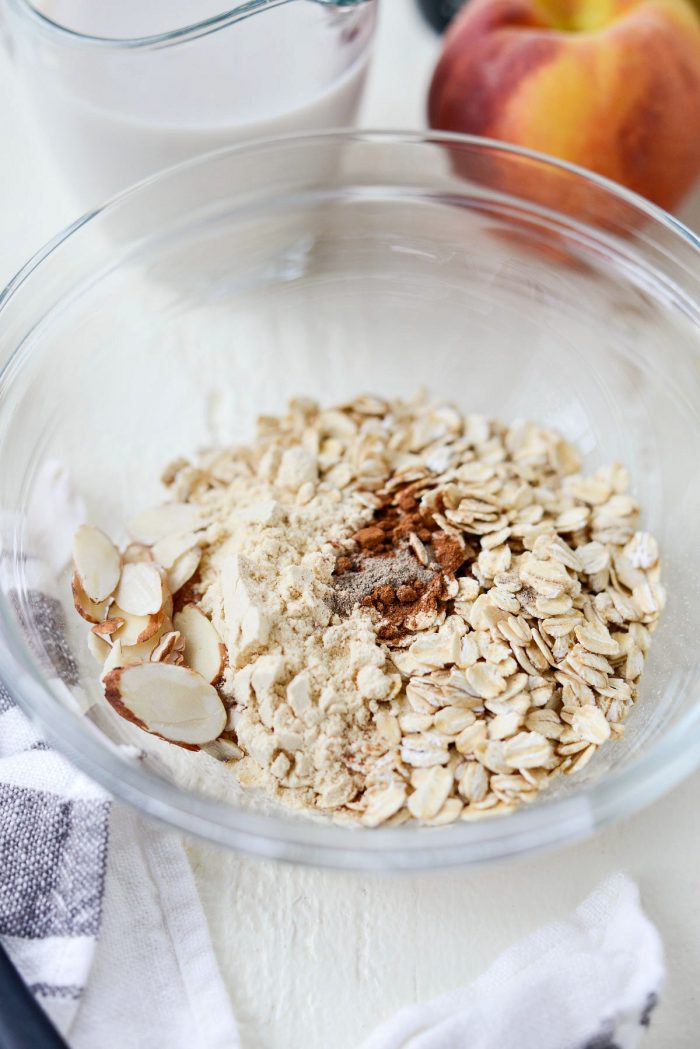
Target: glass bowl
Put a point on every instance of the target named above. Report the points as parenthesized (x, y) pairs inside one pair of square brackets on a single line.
[(327, 265)]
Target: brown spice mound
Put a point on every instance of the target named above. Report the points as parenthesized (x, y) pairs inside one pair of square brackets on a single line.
[(366, 579), (449, 552), (386, 572)]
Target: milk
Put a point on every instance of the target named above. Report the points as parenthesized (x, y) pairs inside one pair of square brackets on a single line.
[(116, 114)]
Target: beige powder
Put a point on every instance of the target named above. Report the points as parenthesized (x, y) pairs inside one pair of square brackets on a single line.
[(300, 683)]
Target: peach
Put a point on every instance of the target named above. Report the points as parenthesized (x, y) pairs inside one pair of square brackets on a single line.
[(611, 85)]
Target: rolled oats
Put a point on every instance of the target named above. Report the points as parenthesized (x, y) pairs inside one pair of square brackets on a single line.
[(589, 723), (431, 789), (382, 802), (474, 781), (527, 750)]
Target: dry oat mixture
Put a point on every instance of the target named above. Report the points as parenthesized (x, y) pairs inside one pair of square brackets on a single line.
[(381, 611)]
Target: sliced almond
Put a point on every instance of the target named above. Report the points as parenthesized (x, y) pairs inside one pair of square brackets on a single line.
[(113, 660), (170, 649), (108, 626), (167, 609), (172, 702), (92, 611), (129, 655), (136, 629), (98, 647), (204, 651), (223, 750), (139, 653), (140, 589), (167, 551), (167, 606), (135, 553), (168, 519), (183, 569), (97, 562)]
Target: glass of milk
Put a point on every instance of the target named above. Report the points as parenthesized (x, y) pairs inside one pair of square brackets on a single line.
[(123, 88)]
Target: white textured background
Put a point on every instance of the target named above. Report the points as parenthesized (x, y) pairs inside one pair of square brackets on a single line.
[(314, 960)]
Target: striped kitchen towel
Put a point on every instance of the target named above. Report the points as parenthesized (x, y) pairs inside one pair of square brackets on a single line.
[(54, 830), (54, 822), (99, 911)]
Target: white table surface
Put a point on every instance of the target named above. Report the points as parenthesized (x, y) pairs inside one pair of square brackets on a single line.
[(315, 959)]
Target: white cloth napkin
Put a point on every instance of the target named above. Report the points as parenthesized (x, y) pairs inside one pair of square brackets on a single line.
[(154, 980), (587, 983), (100, 912)]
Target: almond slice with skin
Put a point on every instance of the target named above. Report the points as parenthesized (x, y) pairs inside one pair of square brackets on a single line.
[(168, 519), (135, 553), (167, 611), (204, 651), (97, 562), (167, 607), (170, 649), (136, 629), (92, 611), (223, 750), (113, 660), (128, 655), (139, 653), (167, 551), (140, 590), (98, 648), (183, 569), (168, 701), (108, 626)]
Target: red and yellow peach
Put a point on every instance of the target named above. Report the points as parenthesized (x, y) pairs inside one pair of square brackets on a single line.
[(611, 85)]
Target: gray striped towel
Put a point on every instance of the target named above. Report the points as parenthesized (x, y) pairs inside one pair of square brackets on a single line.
[(54, 827), (100, 912), (54, 822)]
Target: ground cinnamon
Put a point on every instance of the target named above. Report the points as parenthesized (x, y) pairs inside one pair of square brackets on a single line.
[(384, 570)]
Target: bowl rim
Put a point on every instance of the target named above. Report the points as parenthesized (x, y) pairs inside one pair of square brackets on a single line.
[(306, 841)]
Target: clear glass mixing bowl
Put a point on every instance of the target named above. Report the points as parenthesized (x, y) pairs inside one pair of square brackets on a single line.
[(328, 265)]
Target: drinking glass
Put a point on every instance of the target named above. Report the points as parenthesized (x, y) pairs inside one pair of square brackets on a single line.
[(124, 89)]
